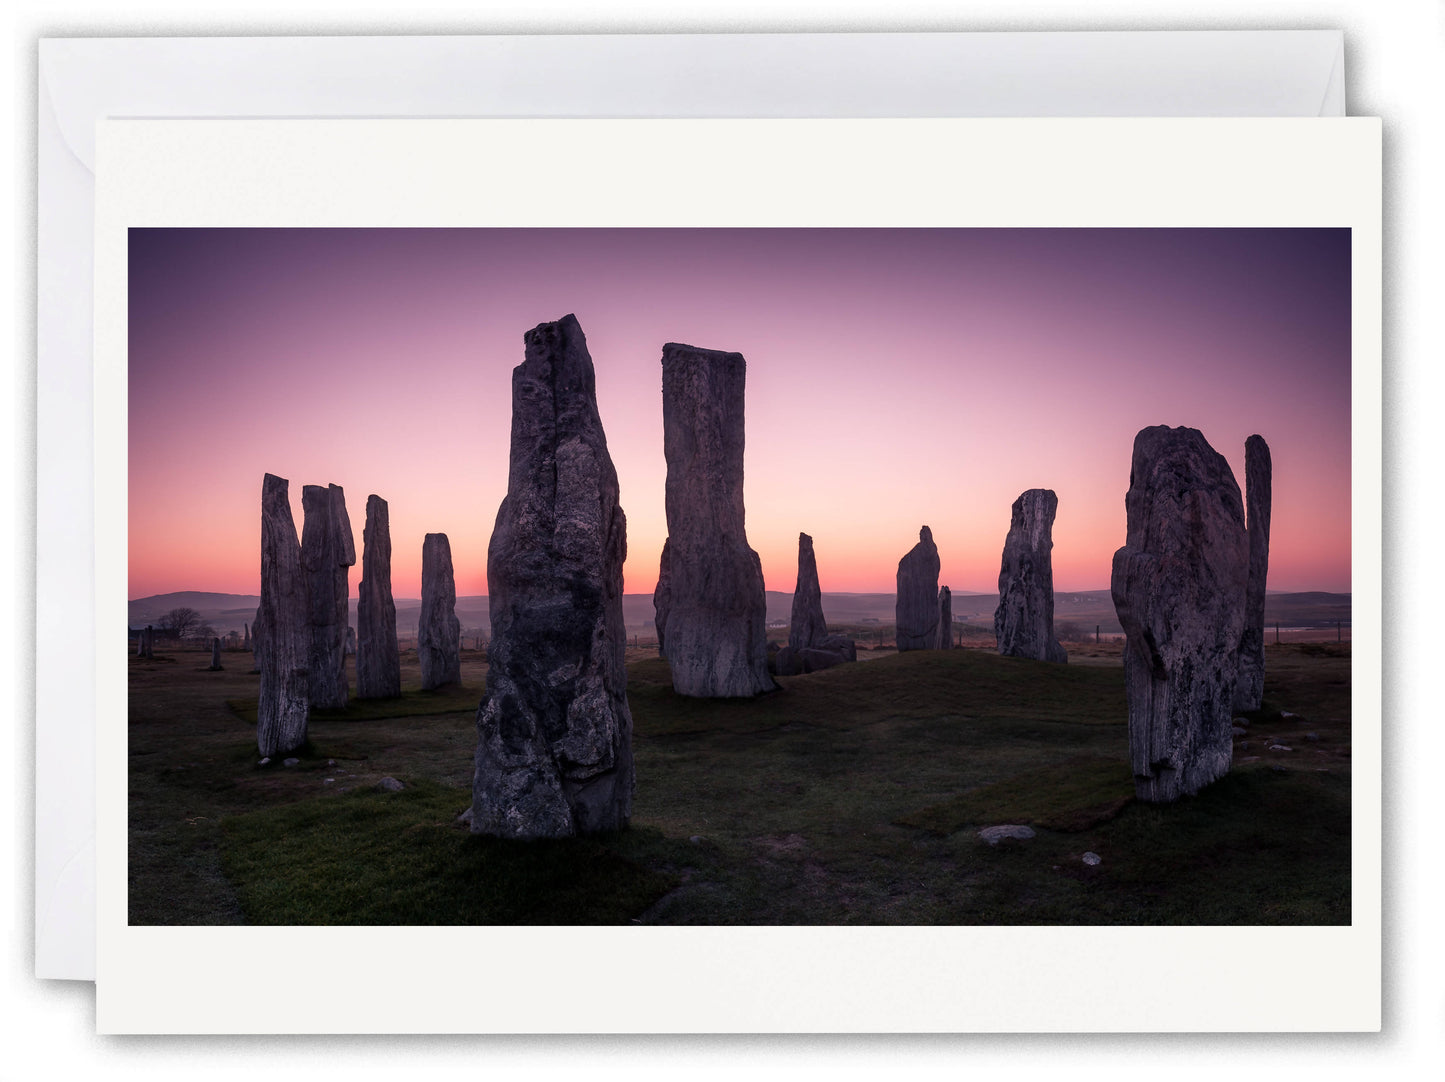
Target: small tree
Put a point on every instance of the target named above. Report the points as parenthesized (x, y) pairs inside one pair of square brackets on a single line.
[(183, 621), (202, 635), (1072, 632)]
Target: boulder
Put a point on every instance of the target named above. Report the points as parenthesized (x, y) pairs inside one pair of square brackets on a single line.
[(327, 553), (1023, 623), (554, 732), (916, 609), (283, 709), (1249, 687), (439, 632), (1178, 586), (378, 662), (710, 606)]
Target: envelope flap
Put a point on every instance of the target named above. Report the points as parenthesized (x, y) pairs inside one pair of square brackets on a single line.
[(1124, 73)]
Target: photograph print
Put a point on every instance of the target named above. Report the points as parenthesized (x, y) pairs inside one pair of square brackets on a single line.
[(730, 576)]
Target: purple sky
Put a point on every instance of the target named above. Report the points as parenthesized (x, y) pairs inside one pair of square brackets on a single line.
[(895, 378)]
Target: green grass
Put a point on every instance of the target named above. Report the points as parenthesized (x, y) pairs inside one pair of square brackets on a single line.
[(852, 795), (1072, 795), (378, 857)]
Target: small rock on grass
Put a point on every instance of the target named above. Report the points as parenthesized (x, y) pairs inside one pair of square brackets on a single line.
[(993, 835), (265, 762), (1280, 747), (289, 762), (391, 785), (1092, 859), (1237, 731), (465, 819)]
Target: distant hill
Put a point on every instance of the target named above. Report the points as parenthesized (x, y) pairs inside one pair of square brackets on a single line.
[(1090, 608)]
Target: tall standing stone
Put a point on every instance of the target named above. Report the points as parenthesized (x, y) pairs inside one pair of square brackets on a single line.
[(350, 640), (810, 647), (554, 732), (916, 608), (1249, 690), (713, 610), (439, 632), (246, 637), (215, 655), (1023, 623), (284, 705), (945, 619), (327, 552), (1179, 589), (378, 661), (808, 627)]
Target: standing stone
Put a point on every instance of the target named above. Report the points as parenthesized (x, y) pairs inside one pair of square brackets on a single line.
[(712, 610), (215, 655), (808, 626), (554, 732), (439, 634), (378, 661), (662, 600), (256, 642), (810, 647), (1023, 623), (945, 619), (350, 640), (284, 705), (916, 608), (327, 552), (1249, 690), (1179, 588), (246, 637)]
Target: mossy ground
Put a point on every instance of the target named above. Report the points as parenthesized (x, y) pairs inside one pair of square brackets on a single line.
[(852, 795)]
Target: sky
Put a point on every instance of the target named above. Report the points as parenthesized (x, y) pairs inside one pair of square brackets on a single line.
[(895, 378)]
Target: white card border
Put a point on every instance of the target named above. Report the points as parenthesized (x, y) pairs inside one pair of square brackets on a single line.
[(1054, 172)]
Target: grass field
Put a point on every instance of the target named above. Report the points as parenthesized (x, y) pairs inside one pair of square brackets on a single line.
[(853, 795)]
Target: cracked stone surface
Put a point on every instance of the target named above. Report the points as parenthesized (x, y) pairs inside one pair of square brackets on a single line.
[(554, 733)]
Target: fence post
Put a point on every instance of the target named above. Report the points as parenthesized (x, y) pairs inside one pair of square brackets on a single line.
[(1096, 633)]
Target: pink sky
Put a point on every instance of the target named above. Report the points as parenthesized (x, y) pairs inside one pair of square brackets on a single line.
[(895, 378)]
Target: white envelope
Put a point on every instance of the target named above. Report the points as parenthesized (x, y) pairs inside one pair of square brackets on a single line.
[(1176, 73)]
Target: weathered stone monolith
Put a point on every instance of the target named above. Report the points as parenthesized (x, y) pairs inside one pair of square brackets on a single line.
[(916, 607), (378, 662), (554, 732), (1023, 623), (327, 552), (945, 619), (810, 647), (350, 640), (712, 611), (215, 656), (439, 632), (284, 705), (1179, 588), (246, 637), (1249, 688)]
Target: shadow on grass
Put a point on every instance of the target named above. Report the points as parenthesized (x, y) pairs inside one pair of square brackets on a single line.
[(412, 703), (399, 858)]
